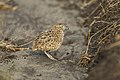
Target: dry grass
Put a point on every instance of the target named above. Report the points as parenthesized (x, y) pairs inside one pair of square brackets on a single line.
[(104, 23)]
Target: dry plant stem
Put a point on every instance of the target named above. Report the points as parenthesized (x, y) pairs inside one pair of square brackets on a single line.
[(18, 49), (102, 8), (92, 62), (13, 48), (86, 3), (103, 22), (86, 55), (26, 43), (112, 5), (96, 10), (91, 39), (10, 47), (103, 39), (110, 29)]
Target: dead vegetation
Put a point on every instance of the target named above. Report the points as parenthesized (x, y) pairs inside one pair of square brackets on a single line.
[(104, 24), (4, 44)]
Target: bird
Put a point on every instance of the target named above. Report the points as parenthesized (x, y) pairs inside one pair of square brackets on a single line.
[(49, 40)]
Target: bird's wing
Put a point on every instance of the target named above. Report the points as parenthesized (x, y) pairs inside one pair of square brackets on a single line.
[(42, 40), (42, 37)]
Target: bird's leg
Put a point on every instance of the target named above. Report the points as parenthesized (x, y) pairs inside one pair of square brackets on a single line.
[(49, 56)]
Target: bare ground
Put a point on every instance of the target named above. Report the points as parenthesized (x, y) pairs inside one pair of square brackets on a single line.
[(24, 24)]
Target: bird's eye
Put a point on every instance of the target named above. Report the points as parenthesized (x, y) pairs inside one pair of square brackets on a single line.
[(60, 24)]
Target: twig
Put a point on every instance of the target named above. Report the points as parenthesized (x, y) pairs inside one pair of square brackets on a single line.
[(91, 39), (26, 43), (10, 47)]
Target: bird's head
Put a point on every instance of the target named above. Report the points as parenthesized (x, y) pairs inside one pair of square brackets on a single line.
[(59, 27)]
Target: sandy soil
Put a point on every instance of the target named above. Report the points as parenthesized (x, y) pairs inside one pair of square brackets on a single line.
[(24, 24)]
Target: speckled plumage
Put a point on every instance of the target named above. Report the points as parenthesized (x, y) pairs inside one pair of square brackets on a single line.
[(49, 40)]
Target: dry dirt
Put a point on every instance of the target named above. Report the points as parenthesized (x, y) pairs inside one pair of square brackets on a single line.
[(24, 24)]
